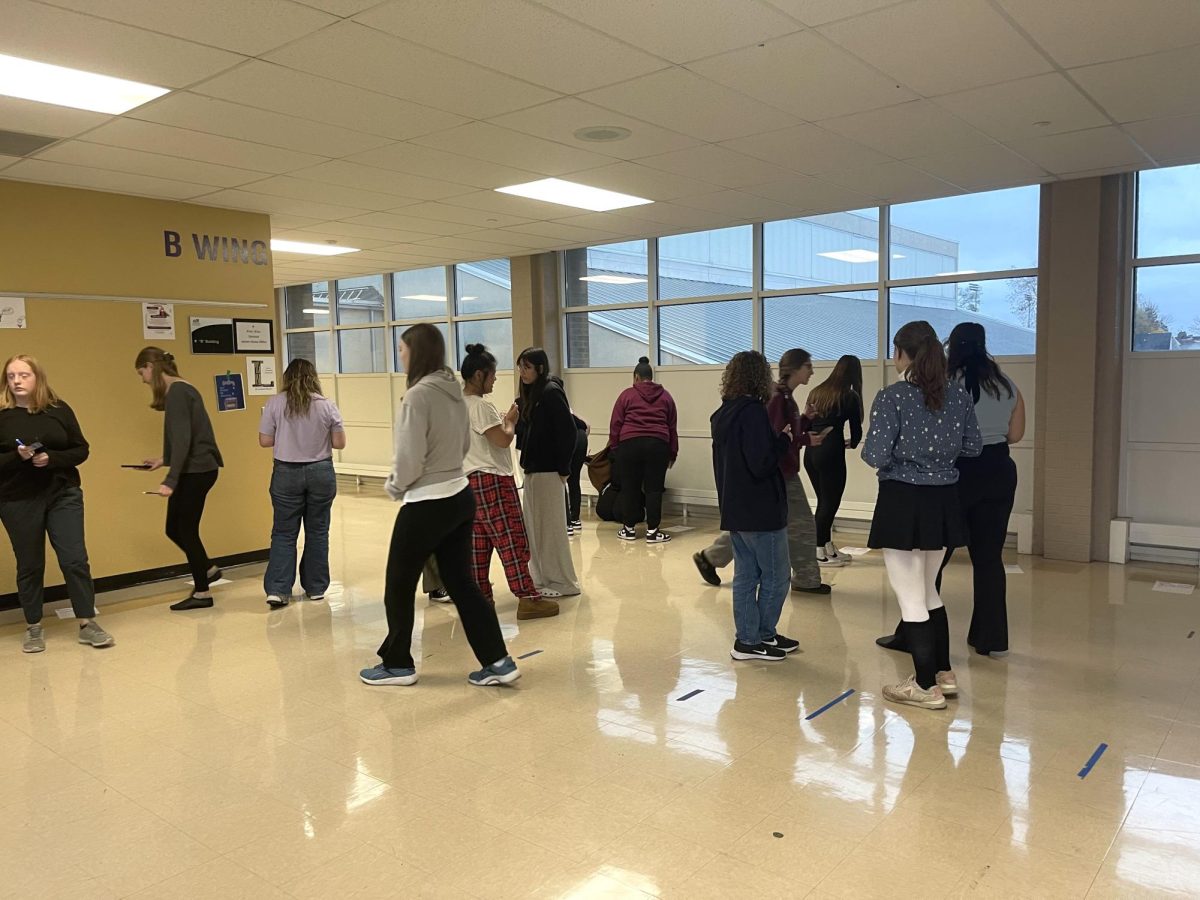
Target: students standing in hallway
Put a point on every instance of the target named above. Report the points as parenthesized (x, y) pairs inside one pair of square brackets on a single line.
[(920, 426), (834, 403), (546, 439), (303, 428), (41, 448), (192, 458), (489, 467), (643, 437), (436, 518)]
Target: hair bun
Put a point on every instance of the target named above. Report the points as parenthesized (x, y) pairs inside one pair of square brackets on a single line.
[(474, 349), (644, 360)]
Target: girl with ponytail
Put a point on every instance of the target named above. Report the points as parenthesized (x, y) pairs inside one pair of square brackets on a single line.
[(643, 426), (920, 426)]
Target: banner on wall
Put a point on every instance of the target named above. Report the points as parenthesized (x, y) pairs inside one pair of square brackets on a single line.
[(260, 375), (230, 395), (211, 335), (158, 321), (12, 312)]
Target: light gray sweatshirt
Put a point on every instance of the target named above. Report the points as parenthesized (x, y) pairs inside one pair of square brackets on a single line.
[(432, 435)]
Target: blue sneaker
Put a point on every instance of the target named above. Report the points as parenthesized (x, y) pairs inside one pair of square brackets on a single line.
[(381, 674), (503, 672)]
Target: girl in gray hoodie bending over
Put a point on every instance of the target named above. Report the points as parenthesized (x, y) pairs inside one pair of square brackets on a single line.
[(436, 518)]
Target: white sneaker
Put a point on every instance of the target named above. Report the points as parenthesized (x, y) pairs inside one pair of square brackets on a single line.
[(826, 561), (833, 552)]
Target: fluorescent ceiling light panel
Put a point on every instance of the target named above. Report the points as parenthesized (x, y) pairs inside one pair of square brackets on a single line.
[(316, 312), (857, 255), (44, 83), (310, 249), (613, 279), (568, 193), (432, 298)]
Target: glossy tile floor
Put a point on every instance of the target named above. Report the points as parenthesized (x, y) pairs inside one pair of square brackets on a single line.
[(233, 753)]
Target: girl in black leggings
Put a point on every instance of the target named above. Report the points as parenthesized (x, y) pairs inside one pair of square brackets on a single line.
[(832, 404)]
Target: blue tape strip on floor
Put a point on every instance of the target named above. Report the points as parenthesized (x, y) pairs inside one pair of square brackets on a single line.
[(530, 653), (834, 702), (1087, 767), (690, 695)]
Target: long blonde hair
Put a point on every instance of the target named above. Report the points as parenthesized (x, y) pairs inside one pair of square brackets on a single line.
[(43, 396), (164, 365), (301, 384)]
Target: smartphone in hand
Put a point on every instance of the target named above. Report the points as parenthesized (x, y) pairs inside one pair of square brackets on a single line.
[(142, 466)]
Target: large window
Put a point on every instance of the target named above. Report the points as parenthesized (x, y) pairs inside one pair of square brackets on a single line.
[(1166, 265)]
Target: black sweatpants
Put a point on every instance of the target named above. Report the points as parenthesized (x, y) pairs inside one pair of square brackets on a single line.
[(826, 469), (574, 491), (58, 514), (185, 508), (442, 529), (987, 488), (644, 462)]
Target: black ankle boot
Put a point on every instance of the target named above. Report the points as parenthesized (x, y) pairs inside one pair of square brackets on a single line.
[(895, 641), (941, 638), (920, 644)]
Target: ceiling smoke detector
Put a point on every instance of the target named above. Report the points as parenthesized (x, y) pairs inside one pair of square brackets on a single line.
[(603, 133)]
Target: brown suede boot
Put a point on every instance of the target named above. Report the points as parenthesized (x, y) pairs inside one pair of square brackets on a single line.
[(536, 608)]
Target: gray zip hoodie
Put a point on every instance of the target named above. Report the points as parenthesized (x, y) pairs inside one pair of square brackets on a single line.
[(432, 435)]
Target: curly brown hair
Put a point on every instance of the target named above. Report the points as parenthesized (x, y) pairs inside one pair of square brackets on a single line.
[(748, 374)]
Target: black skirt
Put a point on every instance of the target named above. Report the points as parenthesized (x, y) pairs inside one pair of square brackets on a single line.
[(916, 517)]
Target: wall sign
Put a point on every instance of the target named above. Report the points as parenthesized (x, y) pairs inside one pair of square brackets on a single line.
[(260, 375), (253, 336), (230, 396), (211, 335), (216, 248), (158, 321), (12, 312)]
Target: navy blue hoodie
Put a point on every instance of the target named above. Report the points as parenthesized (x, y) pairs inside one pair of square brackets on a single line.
[(746, 454)]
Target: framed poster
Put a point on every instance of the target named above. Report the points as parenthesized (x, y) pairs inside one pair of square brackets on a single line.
[(211, 335), (230, 394), (253, 336), (260, 375)]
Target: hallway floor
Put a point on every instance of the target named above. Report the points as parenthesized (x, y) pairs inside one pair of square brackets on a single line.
[(233, 753)]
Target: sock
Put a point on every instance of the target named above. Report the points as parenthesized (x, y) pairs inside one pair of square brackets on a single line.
[(941, 638), (202, 595), (921, 642), (501, 661)]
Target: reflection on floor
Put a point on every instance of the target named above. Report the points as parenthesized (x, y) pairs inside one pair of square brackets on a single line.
[(233, 752)]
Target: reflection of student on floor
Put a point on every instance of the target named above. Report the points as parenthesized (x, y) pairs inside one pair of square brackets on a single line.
[(41, 448)]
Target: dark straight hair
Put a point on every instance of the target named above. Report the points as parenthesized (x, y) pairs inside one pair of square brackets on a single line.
[(919, 342), (969, 360), (531, 394), (426, 351)]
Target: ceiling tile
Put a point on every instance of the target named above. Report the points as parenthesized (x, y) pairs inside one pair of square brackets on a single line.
[(720, 166), (64, 38), (6, 161), (369, 178), (265, 203), (1149, 87), (349, 233), (1096, 148), (907, 130), (558, 120), (612, 222), (504, 236), (1008, 111), (1168, 139), (739, 205), (321, 236), (1080, 32), (680, 30), (491, 201), (980, 168), (47, 172), (465, 245), (643, 181), (557, 231), (413, 159), (43, 118), (938, 46), (683, 101), (286, 221), (479, 140), (243, 26), (818, 12), (318, 192), (806, 75), (812, 194), (515, 37), (371, 59), (138, 162), (213, 116), (893, 182), (340, 7), (442, 212), (805, 148), (678, 216), (410, 223), (204, 147)]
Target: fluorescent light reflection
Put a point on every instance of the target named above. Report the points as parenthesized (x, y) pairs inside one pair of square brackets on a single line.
[(612, 279)]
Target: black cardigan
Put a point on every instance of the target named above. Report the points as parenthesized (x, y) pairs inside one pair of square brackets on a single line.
[(57, 428), (546, 440)]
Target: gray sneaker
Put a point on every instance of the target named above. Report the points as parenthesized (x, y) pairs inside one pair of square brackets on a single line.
[(93, 634), (35, 639)]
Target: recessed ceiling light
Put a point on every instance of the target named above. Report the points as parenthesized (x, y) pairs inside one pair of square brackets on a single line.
[(613, 279), (602, 134), (568, 193), (857, 255), (44, 83), (432, 298), (309, 249)]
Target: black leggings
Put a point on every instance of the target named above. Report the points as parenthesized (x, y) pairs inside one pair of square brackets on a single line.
[(442, 529), (185, 508), (574, 491), (826, 468), (644, 462)]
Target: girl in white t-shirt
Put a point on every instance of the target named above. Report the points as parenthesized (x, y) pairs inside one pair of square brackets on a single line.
[(499, 524)]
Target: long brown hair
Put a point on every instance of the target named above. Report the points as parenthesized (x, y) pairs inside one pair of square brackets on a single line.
[(43, 396), (531, 394), (748, 374), (833, 394), (164, 365), (426, 351), (301, 384), (919, 342), (796, 358)]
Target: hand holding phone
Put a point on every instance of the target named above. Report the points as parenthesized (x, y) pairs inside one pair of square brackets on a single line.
[(143, 466)]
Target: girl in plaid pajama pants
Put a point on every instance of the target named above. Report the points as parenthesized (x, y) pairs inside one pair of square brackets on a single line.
[(499, 524)]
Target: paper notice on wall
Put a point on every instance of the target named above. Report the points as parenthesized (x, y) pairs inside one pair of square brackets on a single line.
[(260, 375), (12, 312), (158, 321), (1173, 587)]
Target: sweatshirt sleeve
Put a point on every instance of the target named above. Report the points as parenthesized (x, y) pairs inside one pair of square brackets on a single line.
[(762, 446), (78, 450), (177, 434), (616, 421), (885, 431), (673, 427), (411, 442), (855, 414)]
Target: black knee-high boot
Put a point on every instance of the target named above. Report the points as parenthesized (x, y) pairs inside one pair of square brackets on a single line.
[(894, 641), (920, 643), (941, 638)]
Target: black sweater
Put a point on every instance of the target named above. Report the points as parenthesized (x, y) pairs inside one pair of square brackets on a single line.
[(189, 444), (746, 455), (546, 440), (57, 428), (850, 411)]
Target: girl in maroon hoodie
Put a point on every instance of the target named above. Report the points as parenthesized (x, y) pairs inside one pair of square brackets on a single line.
[(643, 427)]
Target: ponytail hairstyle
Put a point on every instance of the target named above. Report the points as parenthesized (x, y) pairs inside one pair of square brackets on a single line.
[(793, 359), (919, 342), (970, 361), (426, 351), (478, 359), (43, 395), (163, 364), (531, 394), (301, 384), (748, 374), (833, 394), (643, 370)]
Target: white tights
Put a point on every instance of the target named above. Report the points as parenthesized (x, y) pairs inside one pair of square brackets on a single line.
[(913, 574)]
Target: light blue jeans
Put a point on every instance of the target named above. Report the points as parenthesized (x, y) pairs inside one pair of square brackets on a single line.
[(761, 578), (300, 493)]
